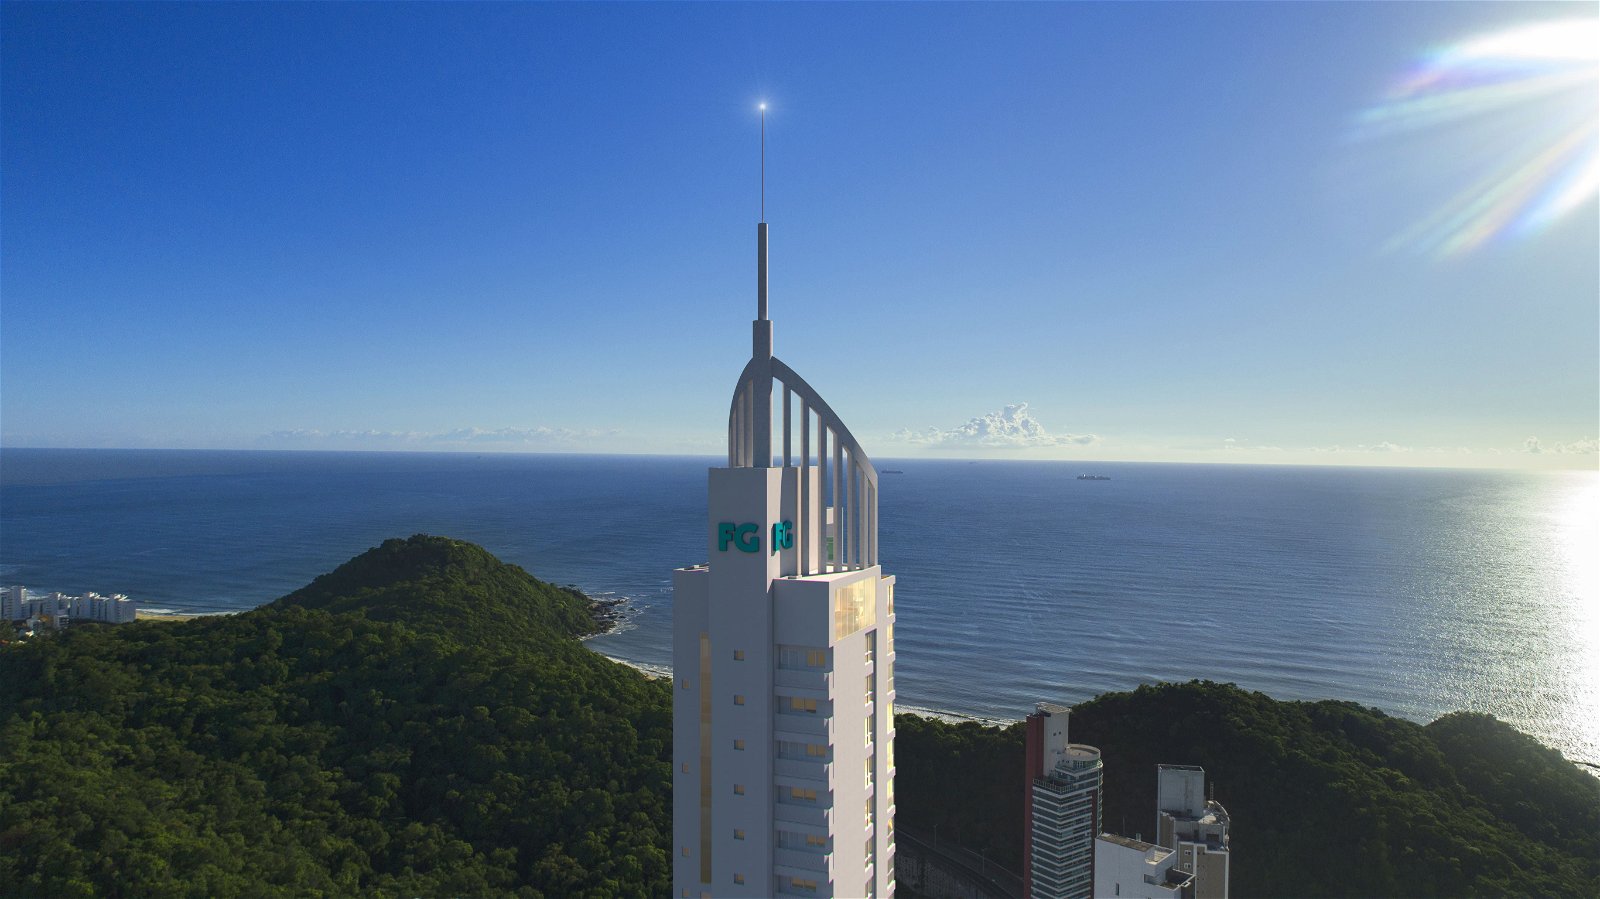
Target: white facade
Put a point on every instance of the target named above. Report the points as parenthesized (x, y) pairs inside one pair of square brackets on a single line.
[(1195, 827), (1125, 867), (17, 604), (1062, 808), (783, 655)]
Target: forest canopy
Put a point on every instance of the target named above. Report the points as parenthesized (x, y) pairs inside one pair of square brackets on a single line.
[(424, 721), (1326, 798), (421, 721)]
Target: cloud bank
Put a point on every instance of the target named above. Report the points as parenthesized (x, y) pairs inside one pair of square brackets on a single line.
[(459, 438), (1009, 428), (1588, 446)]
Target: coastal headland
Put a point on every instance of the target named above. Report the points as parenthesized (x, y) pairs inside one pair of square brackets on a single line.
[(426, 720)]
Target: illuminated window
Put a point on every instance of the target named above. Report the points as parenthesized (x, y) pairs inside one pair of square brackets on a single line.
[(817, 658), (738, 878), (802, 795), (889, 589), (796, 704), (738, 789), (686, 852), (685, 767), (738, 699), (738, 834), (817, 750), (738, 655), (813, 840), (853, 608), (738, 744)]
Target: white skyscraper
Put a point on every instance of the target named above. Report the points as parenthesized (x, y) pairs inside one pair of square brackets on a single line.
[(783, 655), (1061, 809)]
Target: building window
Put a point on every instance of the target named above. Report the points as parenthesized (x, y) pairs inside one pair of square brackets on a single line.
[(738, 699), (686, 852), (738, 655), (802, 886), (685, 767), (853, 608), (817, 658), (796, 704), (683, 683), (738, 789), (738, 878), (817, 750), (802, 795), (739, 745), (738, 834)]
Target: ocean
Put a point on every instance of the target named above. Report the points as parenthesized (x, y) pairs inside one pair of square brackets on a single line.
[(1418, 592)]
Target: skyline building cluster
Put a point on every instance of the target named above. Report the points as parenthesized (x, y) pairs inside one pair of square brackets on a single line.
[(783, 656), (1066, 853), (57, 610)]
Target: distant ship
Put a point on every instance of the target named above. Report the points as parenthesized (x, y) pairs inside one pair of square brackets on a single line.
[(1094, 477)]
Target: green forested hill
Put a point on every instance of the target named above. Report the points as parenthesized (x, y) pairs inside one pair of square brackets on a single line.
[(424, 722), (421, 721), (1327, 798)]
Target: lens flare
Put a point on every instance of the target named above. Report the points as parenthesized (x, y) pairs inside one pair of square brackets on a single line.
[(1515, 113)]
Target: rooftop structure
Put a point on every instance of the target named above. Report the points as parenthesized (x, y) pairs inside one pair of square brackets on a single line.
[(1194, 826), (1133, 869)]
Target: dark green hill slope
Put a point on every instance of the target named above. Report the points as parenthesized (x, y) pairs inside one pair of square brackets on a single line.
[(1327, 798), (421, 721)]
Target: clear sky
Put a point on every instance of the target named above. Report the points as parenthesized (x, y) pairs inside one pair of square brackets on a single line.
[(1339, 233)]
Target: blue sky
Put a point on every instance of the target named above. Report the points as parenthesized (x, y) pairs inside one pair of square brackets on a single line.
[(1124, 231)]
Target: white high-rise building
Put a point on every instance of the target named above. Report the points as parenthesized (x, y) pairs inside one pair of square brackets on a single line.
[(1195, 827), (783, 656), (1061, 809)]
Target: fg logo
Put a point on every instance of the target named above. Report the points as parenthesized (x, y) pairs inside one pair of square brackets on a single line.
[(745, 536), (782, 536)]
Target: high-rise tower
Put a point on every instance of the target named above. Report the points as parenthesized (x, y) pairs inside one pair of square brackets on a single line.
[(783, 656), (1061, 807)]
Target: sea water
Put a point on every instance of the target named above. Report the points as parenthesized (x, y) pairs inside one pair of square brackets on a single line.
[(1418, 592)]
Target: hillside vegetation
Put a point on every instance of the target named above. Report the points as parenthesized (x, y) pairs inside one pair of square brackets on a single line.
[(422, 721), (1327, 798)]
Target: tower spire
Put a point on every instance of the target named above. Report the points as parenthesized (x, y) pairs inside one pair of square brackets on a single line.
[(761, 229)]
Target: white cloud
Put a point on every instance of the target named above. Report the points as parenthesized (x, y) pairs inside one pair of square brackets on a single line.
[(1382, 446), (1011, 428), (477, 438), (1586, 446)]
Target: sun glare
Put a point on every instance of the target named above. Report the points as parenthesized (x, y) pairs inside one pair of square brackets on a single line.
[(1516, 112)]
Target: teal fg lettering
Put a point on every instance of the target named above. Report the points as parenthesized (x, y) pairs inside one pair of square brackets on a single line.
[(747, 537), (782, 536)]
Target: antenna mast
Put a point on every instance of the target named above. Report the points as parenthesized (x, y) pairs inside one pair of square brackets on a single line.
[(761, 230)]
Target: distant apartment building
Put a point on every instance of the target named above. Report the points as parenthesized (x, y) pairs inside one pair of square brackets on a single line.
[(12, 602), (1195, 827), (1061, 809), (56, 610)]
